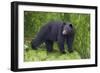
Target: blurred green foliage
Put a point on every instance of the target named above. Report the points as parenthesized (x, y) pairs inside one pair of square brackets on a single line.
[(33, 21)]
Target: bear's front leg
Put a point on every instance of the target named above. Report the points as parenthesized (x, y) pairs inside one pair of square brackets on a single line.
[(69, 41), (61, 42), (61, 45), (49, 45)]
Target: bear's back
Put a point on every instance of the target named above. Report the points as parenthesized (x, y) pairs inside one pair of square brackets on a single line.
[(54, 30)]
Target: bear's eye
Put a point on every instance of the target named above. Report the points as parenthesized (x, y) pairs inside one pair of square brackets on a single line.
[(71, 25)]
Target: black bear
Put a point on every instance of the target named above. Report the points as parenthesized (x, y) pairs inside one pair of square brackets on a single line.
[(55, 31)]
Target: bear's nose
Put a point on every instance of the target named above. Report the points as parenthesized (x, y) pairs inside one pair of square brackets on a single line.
[(64, 32)]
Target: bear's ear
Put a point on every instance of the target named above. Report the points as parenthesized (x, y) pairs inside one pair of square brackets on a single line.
[(71, 25)]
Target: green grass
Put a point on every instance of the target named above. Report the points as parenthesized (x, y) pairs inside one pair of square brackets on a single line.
[(41, 54)]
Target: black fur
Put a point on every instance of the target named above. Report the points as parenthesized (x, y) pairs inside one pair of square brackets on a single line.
[(52, 32)]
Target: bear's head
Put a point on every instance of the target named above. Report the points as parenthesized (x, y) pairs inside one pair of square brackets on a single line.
[(67, 28)]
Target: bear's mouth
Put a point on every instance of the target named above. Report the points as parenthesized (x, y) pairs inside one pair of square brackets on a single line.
[(64, 32)]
